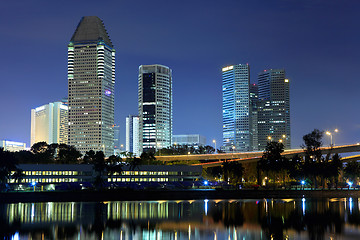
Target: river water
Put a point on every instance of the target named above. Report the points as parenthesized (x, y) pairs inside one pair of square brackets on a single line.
[(201, 219)]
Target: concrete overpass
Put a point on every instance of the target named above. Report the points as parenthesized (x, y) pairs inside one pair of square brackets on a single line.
[(246, 157)]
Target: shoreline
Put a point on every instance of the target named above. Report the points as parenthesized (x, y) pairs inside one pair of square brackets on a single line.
[(153, 195)]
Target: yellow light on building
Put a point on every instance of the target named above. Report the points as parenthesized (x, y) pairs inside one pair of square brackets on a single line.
[(227, 68)]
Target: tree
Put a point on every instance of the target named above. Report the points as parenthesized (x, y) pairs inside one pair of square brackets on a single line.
[(313, 157), (99, 167), (43, 153), (235, 172), (148, 158), (89, 157), (272, 162), (8, 164), (114, 165), (352, 171), (68, 154)]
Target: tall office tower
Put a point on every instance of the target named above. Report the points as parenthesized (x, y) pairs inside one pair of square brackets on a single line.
[(273, 108), (236, 122), (49, 123), (132, 135), (155, 107), (254, 117), (91, 77)]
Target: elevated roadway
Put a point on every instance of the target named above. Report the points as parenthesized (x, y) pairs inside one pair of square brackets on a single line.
[(245, 157)]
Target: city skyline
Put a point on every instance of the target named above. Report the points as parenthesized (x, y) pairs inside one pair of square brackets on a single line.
[(315, 43)]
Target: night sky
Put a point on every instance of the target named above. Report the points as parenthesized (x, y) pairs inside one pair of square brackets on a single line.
[(316, 41)]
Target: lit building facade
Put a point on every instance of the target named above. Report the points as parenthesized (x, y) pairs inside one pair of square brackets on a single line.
[(91, 81), (49, 123), (155, 107), (85, 173), (236, 110), (12, 146), (117, 144), (189, 140), (273, 108), (132, 135)]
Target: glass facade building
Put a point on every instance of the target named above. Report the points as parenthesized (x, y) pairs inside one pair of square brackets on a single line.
[(91, 81), (236, 110), (273, 108), (189, 140), (155, 107)]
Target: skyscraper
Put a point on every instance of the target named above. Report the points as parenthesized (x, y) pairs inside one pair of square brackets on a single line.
[(236, 101), (91, 77), (132, 135), (155, 107), (49, 123), (273, 108)]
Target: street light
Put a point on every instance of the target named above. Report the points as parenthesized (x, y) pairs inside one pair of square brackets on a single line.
[(214, 141), (331, 136), (269, 138)]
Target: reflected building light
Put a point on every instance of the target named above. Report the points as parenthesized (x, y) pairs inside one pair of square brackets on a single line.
[(266, 206), (235, 234), (350, 204), (32, 212), (215, 237), (303, 205), (206, 206), (15, 236), (189, 231), (175, 235)]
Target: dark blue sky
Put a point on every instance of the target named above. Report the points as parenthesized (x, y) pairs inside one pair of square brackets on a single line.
[(316, 41)]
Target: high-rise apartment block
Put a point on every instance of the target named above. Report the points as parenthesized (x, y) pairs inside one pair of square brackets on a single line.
[(236, 110), (155, 107), (91, 79), (132, 135), (273, 108), (49, 123)]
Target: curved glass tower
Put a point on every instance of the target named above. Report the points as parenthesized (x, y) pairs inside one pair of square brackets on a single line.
[(91, 78)]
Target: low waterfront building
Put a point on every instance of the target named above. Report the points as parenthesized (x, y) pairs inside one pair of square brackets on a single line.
[(81, 173), (12, 146)]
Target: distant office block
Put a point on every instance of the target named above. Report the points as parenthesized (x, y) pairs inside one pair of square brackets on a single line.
[(273, 108), (189, 140), (12, 146), (91, 81), (236, 110), (49, 123), (253, 117), (132, 135), (155, 107)]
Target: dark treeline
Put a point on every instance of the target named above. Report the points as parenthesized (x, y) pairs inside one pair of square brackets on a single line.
[(273, 169), (185, 149)]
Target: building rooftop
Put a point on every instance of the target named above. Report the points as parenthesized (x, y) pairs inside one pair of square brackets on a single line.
[(91, 29)]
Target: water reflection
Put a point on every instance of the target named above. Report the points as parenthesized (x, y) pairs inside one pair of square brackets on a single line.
[(206, 219)]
